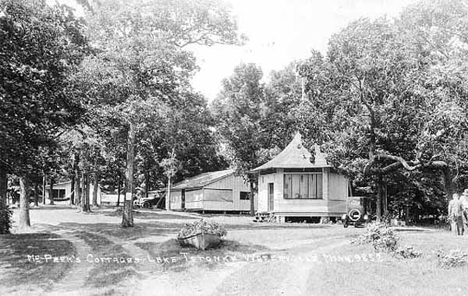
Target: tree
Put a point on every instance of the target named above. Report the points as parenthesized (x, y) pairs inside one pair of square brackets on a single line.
[(141, 57), (44, 45), (170, 166), (283, 94), (359, 97), (238, 110), (5, 212), (387, 101)]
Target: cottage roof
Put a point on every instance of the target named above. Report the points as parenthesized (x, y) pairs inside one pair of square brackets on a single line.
[(296, 156), (202, 180)]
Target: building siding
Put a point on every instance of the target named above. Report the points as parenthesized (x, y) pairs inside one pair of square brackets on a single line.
[(194, 199), (333, 203), (197, 199), (176, 200), (69, 190), (338, 187)]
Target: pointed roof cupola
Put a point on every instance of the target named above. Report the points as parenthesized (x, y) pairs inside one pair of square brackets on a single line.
[(295, 156)]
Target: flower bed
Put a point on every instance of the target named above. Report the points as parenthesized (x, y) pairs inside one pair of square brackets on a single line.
[(201, 234)]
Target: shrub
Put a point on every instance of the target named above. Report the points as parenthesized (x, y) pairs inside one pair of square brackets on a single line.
[(380, 236), (407, 252), (202, 226), (5, 217), (455, 258)]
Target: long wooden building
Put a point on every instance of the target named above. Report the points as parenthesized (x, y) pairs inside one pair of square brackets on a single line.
[(219, 191)]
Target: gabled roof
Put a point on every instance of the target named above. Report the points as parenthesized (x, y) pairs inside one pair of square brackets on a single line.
[(295, 156), (202, 180)]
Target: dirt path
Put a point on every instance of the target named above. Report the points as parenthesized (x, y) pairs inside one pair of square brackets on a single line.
[(242, 277), (144, 269), (286, 276), (74, 282), (246, 276)]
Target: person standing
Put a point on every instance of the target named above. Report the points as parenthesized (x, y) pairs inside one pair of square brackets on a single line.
[(455, 212)]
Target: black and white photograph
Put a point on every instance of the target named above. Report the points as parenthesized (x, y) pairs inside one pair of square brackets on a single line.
[(233, 147)]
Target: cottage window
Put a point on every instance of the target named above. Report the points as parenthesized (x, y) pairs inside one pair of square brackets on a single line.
[(244, 195), (217, 195), (58, 193), (303, 186)]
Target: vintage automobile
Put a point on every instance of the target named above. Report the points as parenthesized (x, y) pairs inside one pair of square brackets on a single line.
[(143, 202), (357, 211), (152, 201)]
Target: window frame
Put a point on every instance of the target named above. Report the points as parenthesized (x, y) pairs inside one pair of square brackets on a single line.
[(318, 186), (247, 193), (58, 191)]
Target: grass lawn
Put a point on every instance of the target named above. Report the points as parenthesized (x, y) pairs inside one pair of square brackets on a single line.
[(67, 233), (393, 275), (19, 268), (109, 268)]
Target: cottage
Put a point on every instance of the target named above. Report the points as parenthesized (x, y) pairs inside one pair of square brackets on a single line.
[(297, 186), (62, 191), (214, 191)]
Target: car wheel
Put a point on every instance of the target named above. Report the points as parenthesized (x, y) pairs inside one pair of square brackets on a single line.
[(345, 225), (146, 205), (354, 215)]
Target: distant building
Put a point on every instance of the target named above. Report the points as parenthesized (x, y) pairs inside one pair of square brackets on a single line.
[(214, 191), (62, 191), (293, 185)]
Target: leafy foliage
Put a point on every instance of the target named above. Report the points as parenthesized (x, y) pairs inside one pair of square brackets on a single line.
[(143, 71), (387, 104), (5, 217), (202, 227), (380, 236), (237, 110), (407, 252), (454, 258), (45, 44)]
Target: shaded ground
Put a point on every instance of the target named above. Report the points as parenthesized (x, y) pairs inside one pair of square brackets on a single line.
[(20, 268), (254, 259)]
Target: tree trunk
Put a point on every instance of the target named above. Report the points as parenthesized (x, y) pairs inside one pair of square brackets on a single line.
[(5, 213), (147, 180), (24, 221), (252, 197), (76, 163), (384, 198), (36, 194), (127, 216), (85, 195), (95, 189), (3, 183), (77, 191), (168, 194), (448, 183), (253, 190), (72, 188), (88, 194), (51, 194), (379, 200), (118, 193), (44, 187), (83, 191)]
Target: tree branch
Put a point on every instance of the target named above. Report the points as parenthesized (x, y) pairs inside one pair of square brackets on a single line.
[(401, 162), (415, 164)]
